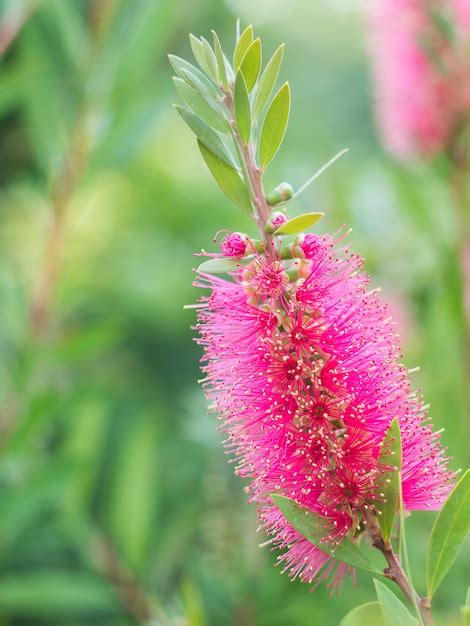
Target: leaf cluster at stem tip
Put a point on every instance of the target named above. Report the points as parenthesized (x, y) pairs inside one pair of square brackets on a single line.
[(232, 106)]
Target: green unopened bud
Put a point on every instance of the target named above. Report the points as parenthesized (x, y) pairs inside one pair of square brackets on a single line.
[(281, 193)]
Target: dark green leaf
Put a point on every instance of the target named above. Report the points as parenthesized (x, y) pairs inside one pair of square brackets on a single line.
[(221, 266), (242, 108), (394, 612), (244, 42), (466, 610), (200, 107), (312, 527), (448, 534), (299, 224), (388, 485), (274, 126), (368, 614), (268, 80), (51, 593), (251, 64), (208, 136), (227, 178), (219, 55)]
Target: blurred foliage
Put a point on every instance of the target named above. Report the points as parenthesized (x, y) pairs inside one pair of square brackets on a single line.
[(117, 504)]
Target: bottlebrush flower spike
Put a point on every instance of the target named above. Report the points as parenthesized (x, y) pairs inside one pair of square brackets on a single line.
[(421, 65), (301, 364)]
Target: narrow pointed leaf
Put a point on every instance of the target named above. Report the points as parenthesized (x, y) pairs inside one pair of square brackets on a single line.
[(219, 55), (199, 54), (205, 134), (466, 610), (394, 612), (268, 80), (274, 126), (244, 42), (200, 107), (251, 64), (181, 67), (221, 266), (312, 527), (388, 486), (448, 534), (208, 93), (227, 178), (210, 58), (242, 108), (299, 224), (368, 614)]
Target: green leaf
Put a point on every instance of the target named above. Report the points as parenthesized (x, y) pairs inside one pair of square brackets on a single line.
[(219, 55), (466, 610), (244, 42), (368, 614), (268, 80), (199, 54), (205, 134), (299, 224), (183, 68), (55, 593), (251, 64), (200, 107), (448, 533), (210, 58), (242, 107), (312, 527), (394, 612), (134, 476), (227, 178), (388, 486), (274, 126), (221, 266)]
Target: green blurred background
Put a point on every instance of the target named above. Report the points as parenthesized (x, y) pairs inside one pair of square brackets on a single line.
[(117, 503)]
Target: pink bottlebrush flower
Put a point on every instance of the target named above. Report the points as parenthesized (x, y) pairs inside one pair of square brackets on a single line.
[(419, 74), (234, 244), (306, 379), (462, 14)]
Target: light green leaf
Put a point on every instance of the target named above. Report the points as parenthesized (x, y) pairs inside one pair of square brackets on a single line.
[(448, 534), (368, 614), (221, 266), (200, 107), (219, 55), (205, 133), (183, 68), (299, 224), (394, 612), (227, 178), (242, 107), (388, 485), (466, 610), (210, 58), (244, 42), (198, 51), (274, 126), (268, 80), (251, 64), (312, 527)]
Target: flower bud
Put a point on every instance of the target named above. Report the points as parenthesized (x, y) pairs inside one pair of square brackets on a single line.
[(310, 244), (234, 244), (278, 219), (281, 193)]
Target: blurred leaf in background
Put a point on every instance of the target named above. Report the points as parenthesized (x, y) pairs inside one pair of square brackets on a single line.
[(117, 505)]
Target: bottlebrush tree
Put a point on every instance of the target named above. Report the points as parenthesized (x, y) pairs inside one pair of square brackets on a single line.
[(301, 361)]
